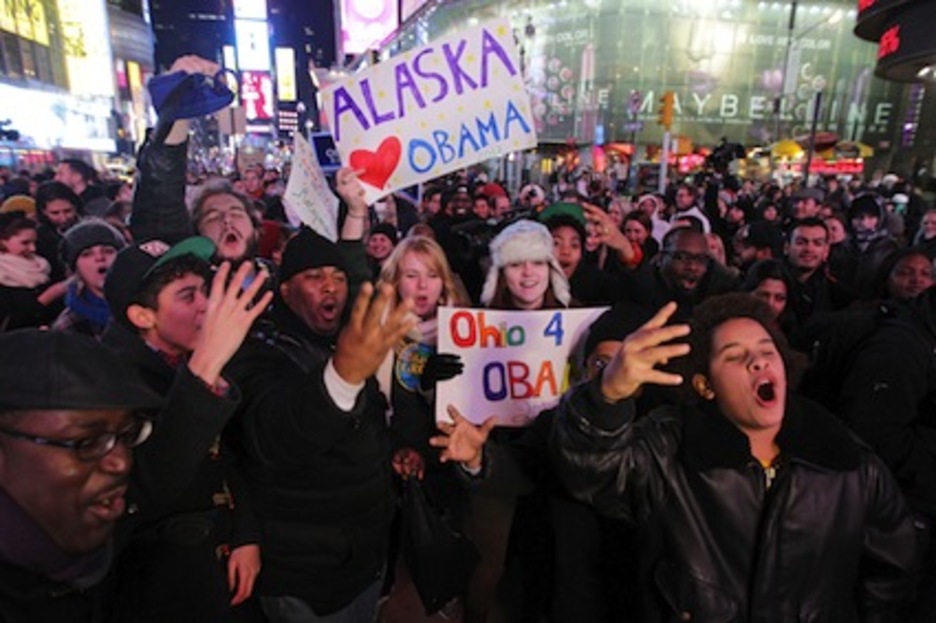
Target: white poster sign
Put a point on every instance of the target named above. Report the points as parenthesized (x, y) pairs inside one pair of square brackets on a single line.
[(432, 110), (517, 363), (308, 195)]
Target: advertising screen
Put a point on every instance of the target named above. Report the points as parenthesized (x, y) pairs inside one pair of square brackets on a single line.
[(253, 44), (285, 74), (86, 42), (257, 95)]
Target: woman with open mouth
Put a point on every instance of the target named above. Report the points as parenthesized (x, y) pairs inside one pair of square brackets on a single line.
[(764, 504), (88, 249)]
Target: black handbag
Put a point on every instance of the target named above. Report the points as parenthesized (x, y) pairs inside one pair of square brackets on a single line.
[(440, 560)]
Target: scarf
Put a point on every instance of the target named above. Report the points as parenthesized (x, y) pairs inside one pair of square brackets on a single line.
[(23, 272), (89, 306), (26, 545), (863, 239)]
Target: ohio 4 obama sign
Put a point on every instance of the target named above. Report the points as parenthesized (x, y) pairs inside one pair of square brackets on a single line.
[(432, 110), (517, 363)]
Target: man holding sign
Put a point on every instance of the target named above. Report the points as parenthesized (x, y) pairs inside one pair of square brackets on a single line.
[(433, 110)]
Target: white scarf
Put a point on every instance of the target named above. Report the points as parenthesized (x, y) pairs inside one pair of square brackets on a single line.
[(23, 272)]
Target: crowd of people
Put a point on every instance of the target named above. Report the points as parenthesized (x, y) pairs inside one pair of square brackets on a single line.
[(207, 414)]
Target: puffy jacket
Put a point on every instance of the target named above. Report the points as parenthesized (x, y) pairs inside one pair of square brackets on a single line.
[(828, 540)]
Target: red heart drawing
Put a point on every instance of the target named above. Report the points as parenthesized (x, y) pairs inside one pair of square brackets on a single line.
[(377, 166)]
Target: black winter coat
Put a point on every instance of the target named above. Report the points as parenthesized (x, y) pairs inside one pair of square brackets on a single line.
[(889, 399), (186, 499), (319, 476), (830, 540)]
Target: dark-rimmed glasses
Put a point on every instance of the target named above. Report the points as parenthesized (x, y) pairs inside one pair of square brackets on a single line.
[(92, 448)]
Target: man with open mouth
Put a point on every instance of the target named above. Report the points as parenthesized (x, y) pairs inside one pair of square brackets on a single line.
[(69, 416)]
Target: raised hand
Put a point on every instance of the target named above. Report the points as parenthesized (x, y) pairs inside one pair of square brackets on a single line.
[(190, 64), (641, 352), (376, 324), (350, 189), (461, 440), (608, 233), (227, 320)]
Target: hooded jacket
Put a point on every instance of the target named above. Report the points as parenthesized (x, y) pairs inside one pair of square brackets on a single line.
[(824, 538)]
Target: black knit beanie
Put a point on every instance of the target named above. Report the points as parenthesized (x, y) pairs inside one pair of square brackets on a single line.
[(306, 250)]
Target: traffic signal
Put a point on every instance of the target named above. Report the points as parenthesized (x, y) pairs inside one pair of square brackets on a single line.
[(665, 117)]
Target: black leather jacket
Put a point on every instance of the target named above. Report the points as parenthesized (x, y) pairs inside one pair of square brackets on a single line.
[(827, 538)]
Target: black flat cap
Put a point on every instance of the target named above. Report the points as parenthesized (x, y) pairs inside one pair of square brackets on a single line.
[(61, 370)]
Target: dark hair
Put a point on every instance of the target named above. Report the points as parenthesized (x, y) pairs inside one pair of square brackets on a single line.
[(669, 240), (716, 311), (12, 223), (51, 191), (763, 270), (890, 262), (174, 269), (640, 217), (812, 221), (82, 168)]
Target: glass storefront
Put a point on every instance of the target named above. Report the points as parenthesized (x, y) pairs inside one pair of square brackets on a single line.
[(600, 67)]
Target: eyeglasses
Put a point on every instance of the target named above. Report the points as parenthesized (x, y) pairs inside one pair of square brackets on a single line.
[(686, 256), (92, 448)]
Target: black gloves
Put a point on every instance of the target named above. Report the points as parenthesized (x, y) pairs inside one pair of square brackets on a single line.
[(440, 367)]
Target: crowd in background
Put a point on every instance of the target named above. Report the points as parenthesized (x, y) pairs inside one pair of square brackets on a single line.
[(228, 310)]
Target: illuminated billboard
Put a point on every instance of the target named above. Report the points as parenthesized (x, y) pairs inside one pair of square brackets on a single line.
[(250, 9), (26, 18), (257, 95), (253, 45), (86, 43), (285, 74), (365, 23)]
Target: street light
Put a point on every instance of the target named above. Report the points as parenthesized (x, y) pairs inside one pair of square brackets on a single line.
[(788, 82), (788, 78)]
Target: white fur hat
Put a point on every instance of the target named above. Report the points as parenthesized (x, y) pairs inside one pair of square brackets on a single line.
[(525, 241)]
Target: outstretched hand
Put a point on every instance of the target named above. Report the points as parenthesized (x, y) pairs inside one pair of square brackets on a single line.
[(461, 440), (376, 324), (230, 314), (190, 64), (641, 352)]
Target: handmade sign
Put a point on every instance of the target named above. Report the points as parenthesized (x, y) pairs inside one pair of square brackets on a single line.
[(432, 110), (517, 363), (308, 196)]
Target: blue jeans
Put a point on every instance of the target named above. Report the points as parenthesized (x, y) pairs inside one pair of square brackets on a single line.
[(285, 609)]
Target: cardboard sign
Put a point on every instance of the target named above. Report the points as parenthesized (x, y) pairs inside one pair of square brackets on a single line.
[(308, 196), (432, 110), (517, 363)]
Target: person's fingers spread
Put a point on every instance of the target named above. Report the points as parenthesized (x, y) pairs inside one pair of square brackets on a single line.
[(439, 441), (644, 339), (378, 306), (256, 285), (218, 282), (658, 377), (661, 317), (261, 305), (361, 304), (663, 354)]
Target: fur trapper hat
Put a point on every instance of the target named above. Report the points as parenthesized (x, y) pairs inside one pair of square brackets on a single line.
[(525, 241)]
